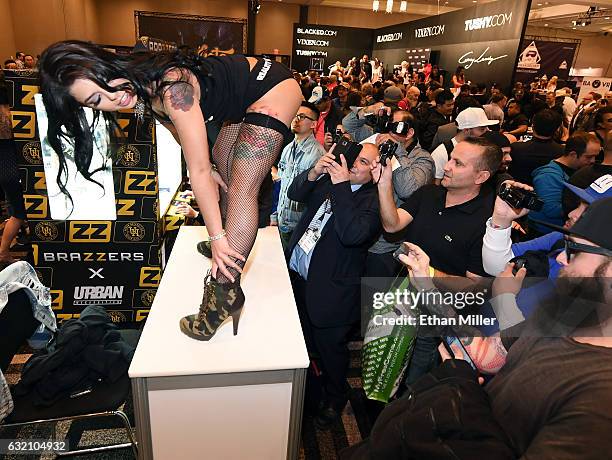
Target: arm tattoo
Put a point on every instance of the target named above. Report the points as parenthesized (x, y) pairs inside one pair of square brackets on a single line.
[(181, 96)]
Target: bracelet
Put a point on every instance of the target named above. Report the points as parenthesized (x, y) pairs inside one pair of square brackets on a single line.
[(217, 237)]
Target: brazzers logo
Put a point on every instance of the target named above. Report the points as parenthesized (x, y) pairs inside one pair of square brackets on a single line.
[(487, 22), (89, 231), (140, 183)]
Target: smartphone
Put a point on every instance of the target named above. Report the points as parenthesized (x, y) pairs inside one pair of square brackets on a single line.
[(450, 341)]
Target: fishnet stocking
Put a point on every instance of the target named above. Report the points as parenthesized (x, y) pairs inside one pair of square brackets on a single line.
[(254, 152), (222, 156)]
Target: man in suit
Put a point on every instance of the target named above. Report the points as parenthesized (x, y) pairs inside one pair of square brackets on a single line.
[(327, 256)]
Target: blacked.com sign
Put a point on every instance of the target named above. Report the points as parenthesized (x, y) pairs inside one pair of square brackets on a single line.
[(317, 47)]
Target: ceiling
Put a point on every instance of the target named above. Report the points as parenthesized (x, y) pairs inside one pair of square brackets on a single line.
[(557, 14)]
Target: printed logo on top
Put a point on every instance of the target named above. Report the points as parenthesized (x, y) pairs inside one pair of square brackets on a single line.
[(323, 32), (486, 22), (429, 31), (389, 37), (530, 57), (90, 231), (31, 153), (52, 256)]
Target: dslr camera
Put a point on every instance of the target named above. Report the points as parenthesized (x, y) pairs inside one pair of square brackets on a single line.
[(378, 122), (519, 198), (387, 150)]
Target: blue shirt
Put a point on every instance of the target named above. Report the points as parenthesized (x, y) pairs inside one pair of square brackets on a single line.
[(300, 261)]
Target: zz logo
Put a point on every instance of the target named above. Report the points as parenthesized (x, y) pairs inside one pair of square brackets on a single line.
[(173, 222), (57, 299), (89, 231), (149, 276), (141, 315), (36, 206), (140, 183), (24, 124), (40, 183), (30, 91), (125, 207)]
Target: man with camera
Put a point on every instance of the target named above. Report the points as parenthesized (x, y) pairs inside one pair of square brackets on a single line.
[(327, 255), (412, 168), (329, 116)]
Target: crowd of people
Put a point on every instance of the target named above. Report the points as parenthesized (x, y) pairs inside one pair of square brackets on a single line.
[(21, 61), (425, 171), (439, 200)]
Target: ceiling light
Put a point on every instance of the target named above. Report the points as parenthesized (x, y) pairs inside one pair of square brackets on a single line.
[(607, 17), (539, 4), (375, 5), (545, 25), (389, 7), (403, 6), (573, 28)]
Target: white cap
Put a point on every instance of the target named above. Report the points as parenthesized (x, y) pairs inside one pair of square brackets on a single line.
[(318, 93), (473, 117)]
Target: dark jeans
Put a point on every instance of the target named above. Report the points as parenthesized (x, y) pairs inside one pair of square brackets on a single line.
[(382, 265), (17, 324), (425, 357)]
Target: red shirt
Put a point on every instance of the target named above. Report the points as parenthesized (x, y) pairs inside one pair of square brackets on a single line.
[(320, 128)]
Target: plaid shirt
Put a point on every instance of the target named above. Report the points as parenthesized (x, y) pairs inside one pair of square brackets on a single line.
[(295, 158)]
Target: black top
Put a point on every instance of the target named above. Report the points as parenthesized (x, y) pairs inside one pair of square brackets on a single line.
[(510, 124), (451, 237), (553, 396), (527, 156)]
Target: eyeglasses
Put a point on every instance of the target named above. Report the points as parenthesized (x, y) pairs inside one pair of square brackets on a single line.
[(302, 117), (571, 247)]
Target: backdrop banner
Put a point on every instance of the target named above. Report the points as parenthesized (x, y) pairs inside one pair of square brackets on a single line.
[(596, 84), (206, 34), (484, 39), (114, 263), (538, 58), (317, 47)]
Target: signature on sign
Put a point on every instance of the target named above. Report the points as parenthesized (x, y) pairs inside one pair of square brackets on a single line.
[(469, 61)]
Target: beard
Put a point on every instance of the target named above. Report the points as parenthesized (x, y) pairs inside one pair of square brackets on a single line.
[(579, 302)]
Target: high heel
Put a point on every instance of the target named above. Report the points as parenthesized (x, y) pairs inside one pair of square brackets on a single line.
[(204, 248), (219, 302)]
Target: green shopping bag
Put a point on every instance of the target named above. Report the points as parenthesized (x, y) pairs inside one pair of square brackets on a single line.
[(387, 348)]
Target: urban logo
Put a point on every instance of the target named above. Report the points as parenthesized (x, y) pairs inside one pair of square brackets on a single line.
[(389, 37), (31, 153), (129, 155), (429, 31), (46, 231), (487, 22), (98, 295), (530, 57), (134, 231)]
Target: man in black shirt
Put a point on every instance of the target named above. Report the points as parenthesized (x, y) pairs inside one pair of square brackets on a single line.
[(527, 156), (516, 123), (447, 220), (436, 117)]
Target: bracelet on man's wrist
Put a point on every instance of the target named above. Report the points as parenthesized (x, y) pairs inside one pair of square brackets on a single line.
[(217, 237)]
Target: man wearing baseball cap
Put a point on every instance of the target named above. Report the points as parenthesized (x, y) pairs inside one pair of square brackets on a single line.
[(471, 122), (330, 116), (392, 96)]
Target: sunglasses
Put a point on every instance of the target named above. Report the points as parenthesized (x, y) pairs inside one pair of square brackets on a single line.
[(571, 247), (302, 117)]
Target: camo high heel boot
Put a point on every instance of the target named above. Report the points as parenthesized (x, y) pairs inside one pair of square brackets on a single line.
[(220, 301)]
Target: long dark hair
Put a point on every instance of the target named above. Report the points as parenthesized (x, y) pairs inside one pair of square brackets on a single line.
[(64, 62)]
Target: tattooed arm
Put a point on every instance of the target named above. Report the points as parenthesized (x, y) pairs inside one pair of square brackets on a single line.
[(181, 104)]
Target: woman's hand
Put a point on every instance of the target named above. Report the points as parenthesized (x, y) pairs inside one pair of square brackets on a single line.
[(223, 257), (216, 177)]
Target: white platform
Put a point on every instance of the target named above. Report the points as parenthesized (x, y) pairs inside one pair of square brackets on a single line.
[(201, 395)]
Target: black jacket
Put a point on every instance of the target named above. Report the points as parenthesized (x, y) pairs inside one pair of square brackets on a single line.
[(338, 260), (333, 119), (83, 351)]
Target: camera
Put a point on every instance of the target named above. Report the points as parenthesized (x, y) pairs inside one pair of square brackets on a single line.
[(349, 149), (519, 262), (387, 150), (519, 198), (336, 136), (378, 122)]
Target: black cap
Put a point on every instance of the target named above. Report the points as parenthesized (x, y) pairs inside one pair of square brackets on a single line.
[(594, 225), (497, 138)]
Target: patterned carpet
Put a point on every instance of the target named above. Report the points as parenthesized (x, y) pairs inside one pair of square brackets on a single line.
[(356, 423)]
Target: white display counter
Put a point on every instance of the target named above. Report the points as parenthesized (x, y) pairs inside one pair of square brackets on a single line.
[(234, 397)]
